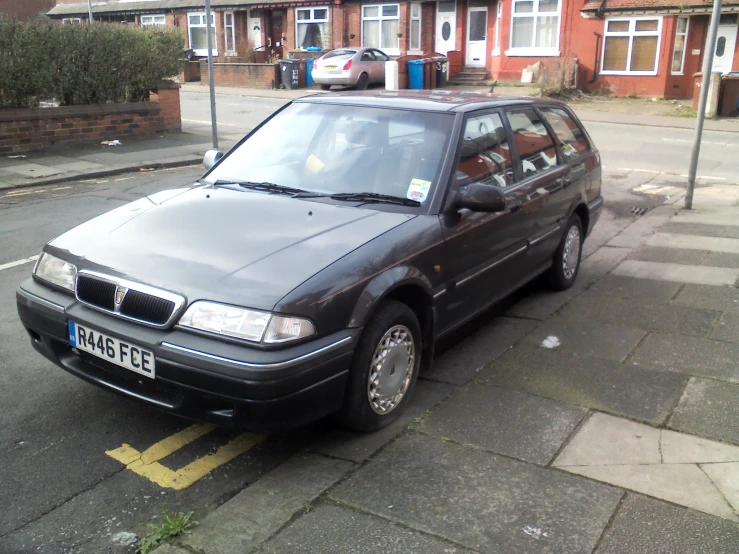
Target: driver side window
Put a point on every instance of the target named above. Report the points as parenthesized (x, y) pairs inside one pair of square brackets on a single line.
[(486, 155)]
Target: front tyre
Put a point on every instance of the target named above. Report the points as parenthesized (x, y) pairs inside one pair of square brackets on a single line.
[(384, 369), (566, 261)]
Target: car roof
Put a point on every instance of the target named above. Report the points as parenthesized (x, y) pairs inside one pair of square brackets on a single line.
[(425, 100)]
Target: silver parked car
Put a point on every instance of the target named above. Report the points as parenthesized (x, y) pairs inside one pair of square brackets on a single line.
[(358, 67)]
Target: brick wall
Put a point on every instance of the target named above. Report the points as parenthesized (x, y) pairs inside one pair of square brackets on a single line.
[(354, 24), (22, 130), (254, 75)]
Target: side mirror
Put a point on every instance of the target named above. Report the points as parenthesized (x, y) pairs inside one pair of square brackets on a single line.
[(482, 198), (211, 158)]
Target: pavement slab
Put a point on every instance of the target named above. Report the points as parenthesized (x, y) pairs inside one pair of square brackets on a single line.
[(253, 515), (34, 170), (507, 422), (599, 384), (646, 525), (541, 305), (726, 478), (721, 259), (630, 455), (708, 408), (480, 500), (727, 328), (688, 355), (357, 447), (461, 363), (699, 229), (710, 244), (678, 273), (706, 297), (651, 316), (586, 338), (708, 216), (330, 528), (648, 290), (636, 234), (663, 254)]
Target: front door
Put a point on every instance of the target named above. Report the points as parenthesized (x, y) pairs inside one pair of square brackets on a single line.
[(446, 26), (723, 57), (277, 33), (254, 26), (477, 27)]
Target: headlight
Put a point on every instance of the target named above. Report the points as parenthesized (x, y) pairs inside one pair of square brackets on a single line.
[(240, 323), (55, 271)]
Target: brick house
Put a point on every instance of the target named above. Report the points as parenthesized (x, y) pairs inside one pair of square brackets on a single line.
[(26, 9), (646, 47)]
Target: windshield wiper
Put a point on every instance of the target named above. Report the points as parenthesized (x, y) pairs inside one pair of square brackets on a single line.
[(374, 197), (261, 186)]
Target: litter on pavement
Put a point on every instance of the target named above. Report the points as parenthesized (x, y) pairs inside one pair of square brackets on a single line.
[(115, 142), (550, 342)]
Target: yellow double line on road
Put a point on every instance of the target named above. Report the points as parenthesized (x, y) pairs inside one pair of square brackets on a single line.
[(147, 464)]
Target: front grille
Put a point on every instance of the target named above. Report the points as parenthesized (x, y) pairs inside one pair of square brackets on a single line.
[(153, 307), (147, 307), (96, 292)]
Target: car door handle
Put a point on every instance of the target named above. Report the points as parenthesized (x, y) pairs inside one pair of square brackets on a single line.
[(564, 182)]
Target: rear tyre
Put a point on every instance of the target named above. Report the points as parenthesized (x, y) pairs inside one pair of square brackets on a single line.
[(384, 369), (363, 82), (566, 262), (325, 87)]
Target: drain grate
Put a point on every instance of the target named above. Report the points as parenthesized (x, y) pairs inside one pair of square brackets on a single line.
[(636, 210)]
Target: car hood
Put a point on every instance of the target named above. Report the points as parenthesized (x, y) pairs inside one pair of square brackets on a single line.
[(240, 247)]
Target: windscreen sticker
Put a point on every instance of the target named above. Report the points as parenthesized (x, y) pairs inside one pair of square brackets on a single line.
[(313, 164), (418, 190)]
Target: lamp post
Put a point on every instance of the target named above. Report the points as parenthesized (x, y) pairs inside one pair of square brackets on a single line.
[(89, 10), (211, 78)]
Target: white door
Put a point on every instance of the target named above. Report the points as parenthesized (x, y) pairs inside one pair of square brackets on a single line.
[(477, 28), (725, 45), (254, 25), (446, 26)]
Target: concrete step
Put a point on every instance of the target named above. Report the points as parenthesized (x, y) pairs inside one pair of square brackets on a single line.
[(474, 70)]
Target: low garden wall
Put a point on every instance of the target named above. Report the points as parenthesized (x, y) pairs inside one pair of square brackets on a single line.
[(25, 129), (252, 75)]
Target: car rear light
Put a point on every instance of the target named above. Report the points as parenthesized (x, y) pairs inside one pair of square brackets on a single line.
[(348, 65), (315, 64)]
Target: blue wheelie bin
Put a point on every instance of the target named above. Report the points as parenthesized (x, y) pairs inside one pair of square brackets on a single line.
[(308, 72), (415, 73)]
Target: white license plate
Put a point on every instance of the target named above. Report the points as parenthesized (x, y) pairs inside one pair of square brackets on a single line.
[(331, 68), (111, 349)]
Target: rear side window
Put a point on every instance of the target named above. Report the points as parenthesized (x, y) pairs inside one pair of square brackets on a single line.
[(536, 149), (569, 133), (486, 155)]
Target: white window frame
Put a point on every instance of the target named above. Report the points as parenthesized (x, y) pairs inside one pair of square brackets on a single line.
[(498, 21), (411, 18), (202, 51), (71, 20), (534, 50), (229, 30), (381, 18), (153, 20), (685, 43), (631, 33), (312, 19)]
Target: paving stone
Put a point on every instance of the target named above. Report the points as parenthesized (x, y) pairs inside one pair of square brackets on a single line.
[(669, 255), (648, 290), (79, 166), (644, 525), (731, 232), (587, 338), (701, 229), (710, 409), (726, 478), (727, 328), (260, 510), (636, 234), (33, 170), (357, 447), (644, 315), (519, 425), (480, 500), (335, 529), (714, 216), (541, 305), (678, 273), (603, 385), (461, 363), (707, 297), (710, 244), (721, 259), (688, 355), (679, 448)]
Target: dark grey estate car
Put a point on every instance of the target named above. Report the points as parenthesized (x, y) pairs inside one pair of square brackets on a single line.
[(311, 269)]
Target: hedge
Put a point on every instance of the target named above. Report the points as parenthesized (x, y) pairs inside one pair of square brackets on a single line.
[(83, 64)]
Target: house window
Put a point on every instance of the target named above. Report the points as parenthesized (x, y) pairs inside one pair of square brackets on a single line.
[(71, 20), (147, 20), (631, 46), (229, 27), (534, 28), (678, 51), (380, 27), (312, 27), (198, 33), (415, 27)]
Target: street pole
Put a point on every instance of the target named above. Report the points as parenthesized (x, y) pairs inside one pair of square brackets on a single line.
[(211, 78), (89, 10), (703, 100)]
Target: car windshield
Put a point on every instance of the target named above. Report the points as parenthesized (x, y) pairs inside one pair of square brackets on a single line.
[(340, 53), (330, 149)]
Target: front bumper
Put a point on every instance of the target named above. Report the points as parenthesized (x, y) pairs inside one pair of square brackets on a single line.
[(198, 376)]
